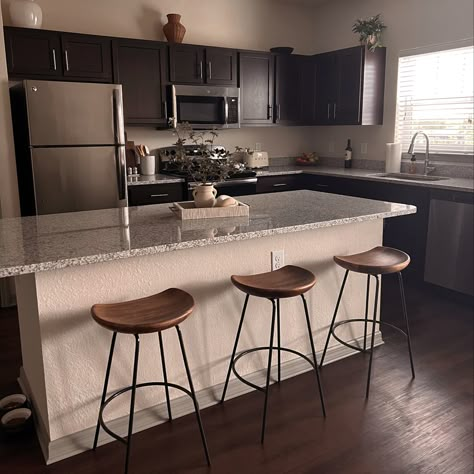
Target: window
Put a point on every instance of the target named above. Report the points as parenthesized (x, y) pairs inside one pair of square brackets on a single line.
[(435, 95)]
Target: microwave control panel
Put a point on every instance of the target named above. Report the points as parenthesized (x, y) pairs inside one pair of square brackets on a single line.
[(233, 110)]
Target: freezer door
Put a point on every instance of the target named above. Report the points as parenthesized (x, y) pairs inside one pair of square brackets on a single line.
[(78, 179), (74, 113)]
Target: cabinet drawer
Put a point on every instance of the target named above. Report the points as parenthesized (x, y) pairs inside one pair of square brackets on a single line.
[(142, 195), (272, 184)]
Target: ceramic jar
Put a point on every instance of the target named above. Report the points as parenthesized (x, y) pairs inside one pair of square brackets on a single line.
[(205, 195), (26, 13), (174, 30)]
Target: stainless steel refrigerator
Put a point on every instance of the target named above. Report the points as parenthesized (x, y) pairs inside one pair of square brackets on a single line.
[(70, 146)]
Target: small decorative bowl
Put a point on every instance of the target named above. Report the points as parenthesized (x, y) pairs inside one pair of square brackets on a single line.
[(12, 402), (16, 421), (282, 50)]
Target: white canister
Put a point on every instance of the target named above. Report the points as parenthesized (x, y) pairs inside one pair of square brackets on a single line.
[(26, 13), (147, 165)]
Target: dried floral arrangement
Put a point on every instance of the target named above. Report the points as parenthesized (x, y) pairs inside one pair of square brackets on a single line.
[(209, 165)]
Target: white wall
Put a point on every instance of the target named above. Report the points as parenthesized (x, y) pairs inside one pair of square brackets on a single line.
[(9, 205), (410, 24)]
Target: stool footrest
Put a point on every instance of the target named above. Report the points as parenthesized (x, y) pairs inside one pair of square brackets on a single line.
[(360, 320), (263, 348), (126, 389)]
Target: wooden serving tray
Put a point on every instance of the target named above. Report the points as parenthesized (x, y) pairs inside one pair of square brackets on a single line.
[(187, 210)]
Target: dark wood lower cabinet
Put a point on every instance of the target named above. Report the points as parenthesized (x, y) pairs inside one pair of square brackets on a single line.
[(273, 184), (141, 195)]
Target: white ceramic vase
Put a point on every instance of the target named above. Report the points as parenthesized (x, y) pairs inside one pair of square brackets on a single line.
[(26, 13), (205, 195), (147, 165)]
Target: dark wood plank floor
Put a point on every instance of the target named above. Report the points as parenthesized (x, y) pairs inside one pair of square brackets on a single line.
[(420, 426)]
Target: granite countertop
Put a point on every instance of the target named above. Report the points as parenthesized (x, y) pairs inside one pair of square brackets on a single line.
[(41, 243), (451, 184)]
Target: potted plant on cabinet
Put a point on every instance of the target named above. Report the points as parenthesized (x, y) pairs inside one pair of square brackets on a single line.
[(370, 31), (210, 165)]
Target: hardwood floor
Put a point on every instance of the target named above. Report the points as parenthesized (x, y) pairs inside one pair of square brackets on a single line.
[(419, 426)]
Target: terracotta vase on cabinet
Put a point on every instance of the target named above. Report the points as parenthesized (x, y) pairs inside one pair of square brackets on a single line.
[(174, 30)]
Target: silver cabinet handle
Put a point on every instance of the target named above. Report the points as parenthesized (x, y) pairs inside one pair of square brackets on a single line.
[(279, 184), (200, 70), (329, 109), (66, 57), (55, 65), (334, 111), (210, 69), (278, 112), (322, 185), (159, 195), (269, 112), (165, 109)]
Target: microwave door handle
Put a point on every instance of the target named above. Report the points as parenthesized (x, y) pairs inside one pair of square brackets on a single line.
[(226, 111)]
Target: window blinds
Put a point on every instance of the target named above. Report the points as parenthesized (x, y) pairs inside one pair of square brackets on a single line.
[(435, 95)]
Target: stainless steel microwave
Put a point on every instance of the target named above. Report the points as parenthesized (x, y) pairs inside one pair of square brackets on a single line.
[(206, 107)]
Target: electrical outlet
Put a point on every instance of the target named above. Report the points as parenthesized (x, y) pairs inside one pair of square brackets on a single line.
[(258, 146), (278, 259), (363, 148)]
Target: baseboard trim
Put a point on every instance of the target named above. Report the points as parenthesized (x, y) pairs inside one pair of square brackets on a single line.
[(81, 441)]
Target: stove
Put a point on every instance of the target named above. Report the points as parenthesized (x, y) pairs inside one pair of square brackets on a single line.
[(238, 183)]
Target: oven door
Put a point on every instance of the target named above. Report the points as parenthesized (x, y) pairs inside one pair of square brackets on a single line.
[(231, 187)]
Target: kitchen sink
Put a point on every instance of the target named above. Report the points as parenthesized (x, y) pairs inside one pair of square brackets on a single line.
[(411, 177)]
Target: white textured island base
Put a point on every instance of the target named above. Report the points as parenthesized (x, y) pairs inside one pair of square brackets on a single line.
[(65, 352)]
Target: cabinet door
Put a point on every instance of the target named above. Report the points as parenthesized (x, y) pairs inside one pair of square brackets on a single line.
[(186, 64), (140, 66), (256, 88), (142, 195), (33, 53), (349, 86), (287, 90), (87, 57), (272, 184), (307, 71), (325, 88), (221, 66)]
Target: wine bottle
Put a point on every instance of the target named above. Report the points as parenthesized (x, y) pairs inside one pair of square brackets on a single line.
[(348, 155)]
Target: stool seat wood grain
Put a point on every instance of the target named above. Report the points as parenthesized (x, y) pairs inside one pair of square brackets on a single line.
[(145, 315), (285, 282), (377, 261)]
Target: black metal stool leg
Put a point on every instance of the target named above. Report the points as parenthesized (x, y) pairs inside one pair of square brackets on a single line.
[(404, 306), (310, 333), (106, 383), (165, 376), (132, 401), (196, 405), (333, 318), (269, 367), (373, 333), (366, 312), (279, 341), (235, 348)]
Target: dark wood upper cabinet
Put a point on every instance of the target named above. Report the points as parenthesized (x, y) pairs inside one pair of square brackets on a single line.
[(256, 88), (33, 53), (190, 64), (287, 90), (141, 68), (187, 64), (43, 54), (350, 87), (87, 56), (221, 66)]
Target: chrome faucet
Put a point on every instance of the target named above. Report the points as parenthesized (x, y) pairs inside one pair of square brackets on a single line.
[(428, 168)]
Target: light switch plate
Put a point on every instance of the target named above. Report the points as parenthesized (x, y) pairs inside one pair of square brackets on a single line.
[(363, 148)]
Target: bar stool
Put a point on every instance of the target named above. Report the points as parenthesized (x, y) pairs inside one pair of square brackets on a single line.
[(152, 314), (286, 282), (376, 262)]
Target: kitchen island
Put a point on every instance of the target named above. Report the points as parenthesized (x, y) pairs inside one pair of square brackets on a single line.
[(65, 263)]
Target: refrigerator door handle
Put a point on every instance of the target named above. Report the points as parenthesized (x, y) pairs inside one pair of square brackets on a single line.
[(118, 117), (121, 180)]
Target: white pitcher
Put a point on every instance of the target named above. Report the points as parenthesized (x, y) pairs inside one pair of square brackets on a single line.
[(205, 195)]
